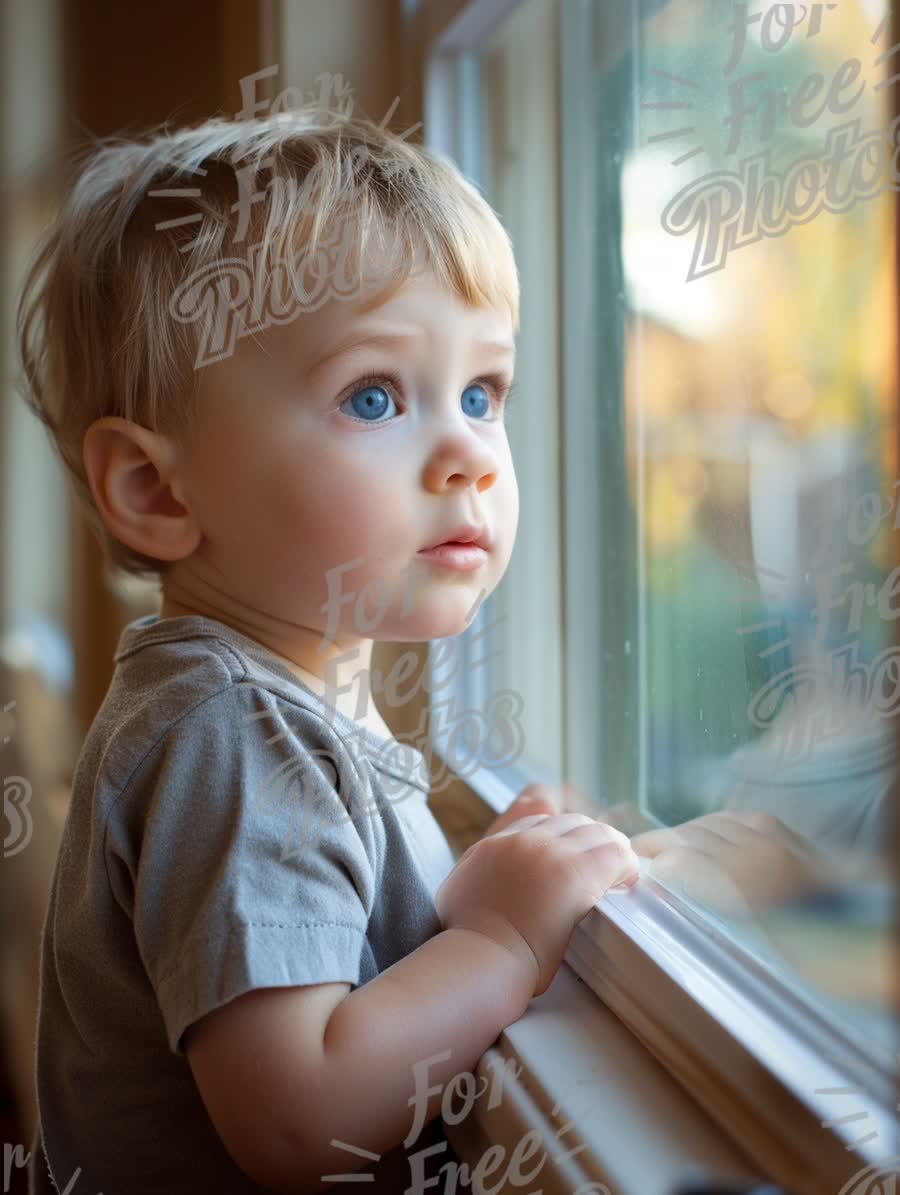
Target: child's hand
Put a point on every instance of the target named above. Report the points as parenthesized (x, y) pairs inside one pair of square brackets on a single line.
[(554, 799), (534, 798), (528, 885)]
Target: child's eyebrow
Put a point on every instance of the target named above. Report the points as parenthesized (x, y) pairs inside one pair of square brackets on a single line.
[(363, 339)]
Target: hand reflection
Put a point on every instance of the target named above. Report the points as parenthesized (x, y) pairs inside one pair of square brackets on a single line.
[(733, 861)]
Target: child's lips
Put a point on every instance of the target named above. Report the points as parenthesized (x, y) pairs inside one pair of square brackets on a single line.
[(467, 535), (452, 554)]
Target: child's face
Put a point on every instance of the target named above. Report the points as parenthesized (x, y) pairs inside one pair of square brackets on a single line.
[(289, 479)]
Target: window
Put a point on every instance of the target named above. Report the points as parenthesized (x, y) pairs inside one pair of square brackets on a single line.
[(702, 198), (34, 543)]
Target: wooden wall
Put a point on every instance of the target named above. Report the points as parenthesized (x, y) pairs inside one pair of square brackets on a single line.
[(127, 67)]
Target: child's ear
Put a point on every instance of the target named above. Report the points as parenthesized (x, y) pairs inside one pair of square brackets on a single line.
[(134, 478)]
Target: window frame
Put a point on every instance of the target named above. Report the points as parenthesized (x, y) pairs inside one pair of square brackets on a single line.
[(710, 1011), (451, 104)]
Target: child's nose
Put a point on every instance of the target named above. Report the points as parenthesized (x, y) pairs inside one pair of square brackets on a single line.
[(457, 461)]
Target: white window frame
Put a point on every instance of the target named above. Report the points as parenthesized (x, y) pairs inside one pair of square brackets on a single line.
[(747, 1043), (451, 103)]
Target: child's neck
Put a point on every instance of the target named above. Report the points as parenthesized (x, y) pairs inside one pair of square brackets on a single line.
[(356, 703)]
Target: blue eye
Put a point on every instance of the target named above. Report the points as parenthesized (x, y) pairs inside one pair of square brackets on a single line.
[(369, 403), (481, 409)]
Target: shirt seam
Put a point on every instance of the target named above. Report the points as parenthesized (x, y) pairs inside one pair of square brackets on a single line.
[(398, 776), (168, 636), (243, 676), (234, 928)]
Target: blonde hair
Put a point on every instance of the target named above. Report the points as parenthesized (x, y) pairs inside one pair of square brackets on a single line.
[(100, 328)]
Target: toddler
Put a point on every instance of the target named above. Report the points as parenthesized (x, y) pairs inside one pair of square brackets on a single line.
[(274, 356)]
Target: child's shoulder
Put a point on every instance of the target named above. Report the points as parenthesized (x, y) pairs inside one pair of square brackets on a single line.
[(197, 747), (190, 693), (167, 669)]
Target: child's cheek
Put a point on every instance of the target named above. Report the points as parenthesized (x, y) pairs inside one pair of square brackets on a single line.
[(351, 523)]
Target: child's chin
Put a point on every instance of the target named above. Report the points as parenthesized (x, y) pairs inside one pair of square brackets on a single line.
[(439, 618)]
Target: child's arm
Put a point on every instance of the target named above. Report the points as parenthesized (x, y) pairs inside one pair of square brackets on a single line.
[(282, 1071)]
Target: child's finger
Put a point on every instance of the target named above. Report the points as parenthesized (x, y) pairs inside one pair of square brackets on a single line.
[(522, 806), (549, 795)]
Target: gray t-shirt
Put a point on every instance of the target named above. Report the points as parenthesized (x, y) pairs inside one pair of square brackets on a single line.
[(228, 830)]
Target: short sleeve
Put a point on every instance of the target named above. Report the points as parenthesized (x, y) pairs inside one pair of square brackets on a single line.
[(251, 865)]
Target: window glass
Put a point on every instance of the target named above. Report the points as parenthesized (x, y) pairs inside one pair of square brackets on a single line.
[(758, 213)]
